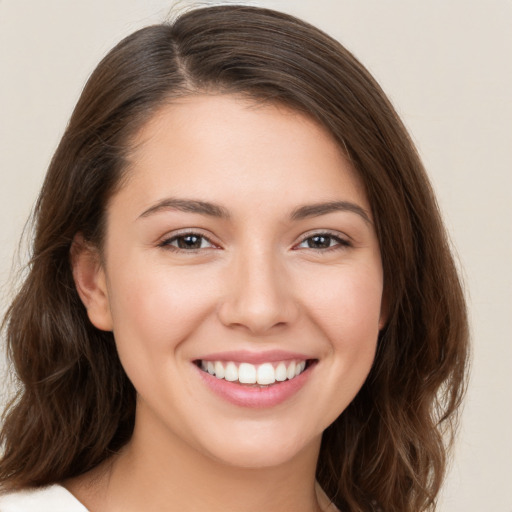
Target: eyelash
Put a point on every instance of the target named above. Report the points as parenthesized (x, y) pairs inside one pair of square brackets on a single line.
[(167, 243), (340, 243)]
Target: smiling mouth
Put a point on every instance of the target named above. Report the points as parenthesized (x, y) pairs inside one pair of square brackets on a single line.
[(264, 374)]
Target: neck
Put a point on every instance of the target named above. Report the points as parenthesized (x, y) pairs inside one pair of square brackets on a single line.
[(205, 484), (162, 473)]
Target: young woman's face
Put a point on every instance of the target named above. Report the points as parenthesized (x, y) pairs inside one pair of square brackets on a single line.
[(240, 248)]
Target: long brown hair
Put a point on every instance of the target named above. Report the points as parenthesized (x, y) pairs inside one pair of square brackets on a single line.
[(75, 405)]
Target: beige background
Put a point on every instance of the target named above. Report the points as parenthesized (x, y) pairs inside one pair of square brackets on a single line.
[(447, 66)]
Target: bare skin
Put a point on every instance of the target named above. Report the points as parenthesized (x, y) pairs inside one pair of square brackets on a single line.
[(115, 487), (282, 258)]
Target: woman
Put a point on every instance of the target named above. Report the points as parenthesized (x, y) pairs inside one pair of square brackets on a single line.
[(241, 295)]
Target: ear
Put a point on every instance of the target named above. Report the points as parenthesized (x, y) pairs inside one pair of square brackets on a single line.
[(90, 282)]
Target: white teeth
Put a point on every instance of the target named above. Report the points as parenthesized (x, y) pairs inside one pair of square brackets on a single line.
[(281, 372), (264, 374), (219, 370), (247, 373), (290, 373), (231, 373)]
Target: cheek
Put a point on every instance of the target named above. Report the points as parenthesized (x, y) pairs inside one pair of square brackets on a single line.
[(347, 309), (155, 308), (347, 303)]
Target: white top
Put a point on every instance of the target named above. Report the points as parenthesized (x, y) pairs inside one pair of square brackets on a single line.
[(46, 499), (56, 498)]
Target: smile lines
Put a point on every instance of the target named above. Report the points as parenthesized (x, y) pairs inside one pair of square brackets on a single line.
[(247, 373)]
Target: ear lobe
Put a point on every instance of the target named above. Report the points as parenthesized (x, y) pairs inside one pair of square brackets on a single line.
[(90, 282)]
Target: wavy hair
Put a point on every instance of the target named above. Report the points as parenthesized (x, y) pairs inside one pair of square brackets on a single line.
[(75, 406)]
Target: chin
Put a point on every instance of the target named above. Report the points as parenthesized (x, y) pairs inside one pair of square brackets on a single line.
[(260, 447)]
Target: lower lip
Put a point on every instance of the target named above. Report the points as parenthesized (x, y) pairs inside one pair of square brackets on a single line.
[(255, 396)]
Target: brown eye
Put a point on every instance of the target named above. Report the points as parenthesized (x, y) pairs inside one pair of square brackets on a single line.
[(323, 241), (319, 242), (187, 242)]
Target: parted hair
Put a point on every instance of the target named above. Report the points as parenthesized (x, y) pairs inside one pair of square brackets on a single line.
[(75, 405)]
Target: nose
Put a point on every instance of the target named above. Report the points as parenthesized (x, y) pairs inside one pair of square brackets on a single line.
[(259, 295)]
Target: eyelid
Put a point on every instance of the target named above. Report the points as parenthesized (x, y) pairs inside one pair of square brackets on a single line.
[(165, 241), (344, 240)]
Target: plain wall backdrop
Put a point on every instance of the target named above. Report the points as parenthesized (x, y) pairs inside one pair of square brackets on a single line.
[(447, 67)]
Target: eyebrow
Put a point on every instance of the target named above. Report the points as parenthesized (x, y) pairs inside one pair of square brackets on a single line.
[(214, 210), (187, 205), (315, 210)]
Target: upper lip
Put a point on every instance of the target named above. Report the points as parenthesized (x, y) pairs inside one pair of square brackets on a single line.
[(244, 356)]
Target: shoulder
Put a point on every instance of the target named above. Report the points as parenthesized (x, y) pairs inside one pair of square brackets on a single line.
[(54, 498)]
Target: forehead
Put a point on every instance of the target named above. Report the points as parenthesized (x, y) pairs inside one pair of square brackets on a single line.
[(228, 148)]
